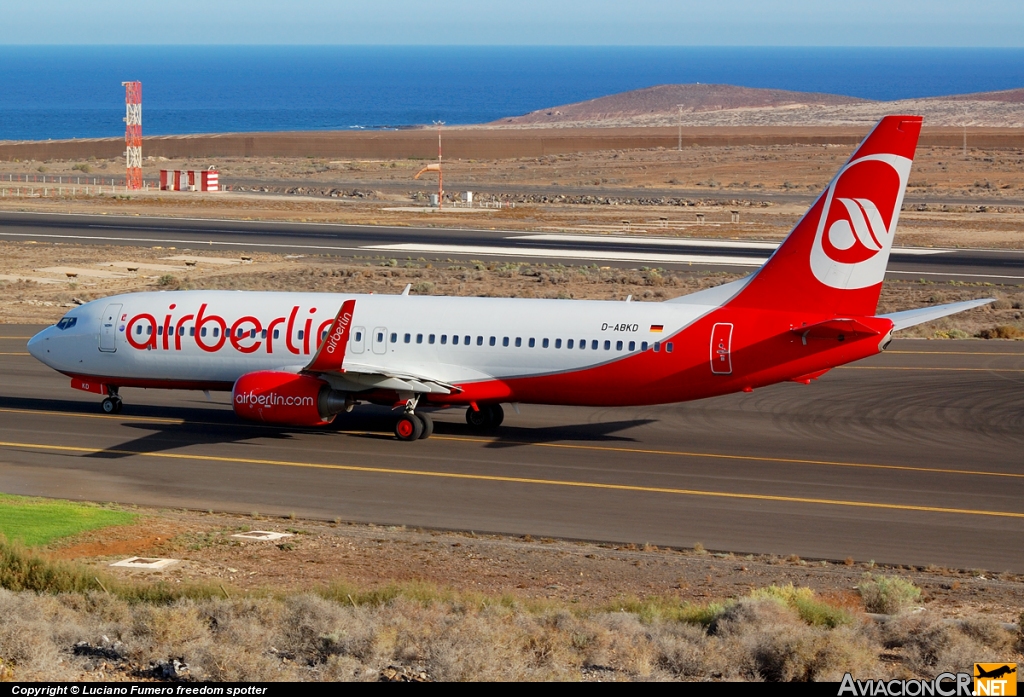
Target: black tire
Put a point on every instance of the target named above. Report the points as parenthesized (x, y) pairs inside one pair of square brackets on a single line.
[(408, 427), (118, 404), (477, 419), (428, 426), (495, 415), (109, 406)]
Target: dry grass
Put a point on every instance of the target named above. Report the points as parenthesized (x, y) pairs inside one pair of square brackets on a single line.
[(61, 628)]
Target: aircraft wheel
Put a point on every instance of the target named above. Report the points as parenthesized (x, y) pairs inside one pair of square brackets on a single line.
[(489, 416), (409, 427), (428, 425), (117, 405), (477, 419), (110, 405)]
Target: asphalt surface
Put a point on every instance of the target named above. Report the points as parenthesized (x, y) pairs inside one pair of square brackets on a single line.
[(912, 457), (439, 244)]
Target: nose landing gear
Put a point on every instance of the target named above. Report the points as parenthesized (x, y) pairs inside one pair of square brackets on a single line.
[(112, 403)]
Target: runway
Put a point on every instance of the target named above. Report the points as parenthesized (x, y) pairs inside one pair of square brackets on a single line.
[(911, 457), (438, 244)]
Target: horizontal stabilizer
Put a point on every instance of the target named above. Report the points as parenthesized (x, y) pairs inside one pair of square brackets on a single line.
[(833, 329), (910, 318)]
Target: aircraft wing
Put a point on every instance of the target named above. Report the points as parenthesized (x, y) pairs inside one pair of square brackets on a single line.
[(367, 377), (909, 318)]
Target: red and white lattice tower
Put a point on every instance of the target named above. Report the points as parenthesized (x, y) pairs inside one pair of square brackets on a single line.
[(133, 134)]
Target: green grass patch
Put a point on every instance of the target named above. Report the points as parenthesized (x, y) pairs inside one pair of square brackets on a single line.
[(33, 522)]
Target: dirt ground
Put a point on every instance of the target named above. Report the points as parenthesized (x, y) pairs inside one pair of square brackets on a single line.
[(587, 574)]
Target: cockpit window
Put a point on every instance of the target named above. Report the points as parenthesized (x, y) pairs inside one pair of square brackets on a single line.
[(67, 323)]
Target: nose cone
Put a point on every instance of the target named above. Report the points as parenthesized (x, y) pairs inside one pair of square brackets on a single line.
[(36, 345)]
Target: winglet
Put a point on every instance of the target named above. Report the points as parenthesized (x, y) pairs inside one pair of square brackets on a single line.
[(331, 353)]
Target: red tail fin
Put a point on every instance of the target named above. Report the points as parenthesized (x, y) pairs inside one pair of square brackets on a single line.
[(834, 260)]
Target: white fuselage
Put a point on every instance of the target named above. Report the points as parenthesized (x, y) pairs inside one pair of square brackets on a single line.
[(155, 337)]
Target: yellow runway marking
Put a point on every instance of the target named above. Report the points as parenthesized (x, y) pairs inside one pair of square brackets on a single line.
[(525, 480), (2, 338), (20, 353), (563, 446)]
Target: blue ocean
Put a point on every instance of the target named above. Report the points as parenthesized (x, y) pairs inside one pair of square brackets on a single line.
[(75, 92)]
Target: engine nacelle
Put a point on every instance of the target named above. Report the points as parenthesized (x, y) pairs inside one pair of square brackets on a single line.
[(287, 399)]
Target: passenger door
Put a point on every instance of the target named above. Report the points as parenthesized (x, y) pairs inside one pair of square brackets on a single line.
[(108, 328), (721, 349)]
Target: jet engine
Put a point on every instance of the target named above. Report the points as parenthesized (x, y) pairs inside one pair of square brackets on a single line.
[(287, 399)]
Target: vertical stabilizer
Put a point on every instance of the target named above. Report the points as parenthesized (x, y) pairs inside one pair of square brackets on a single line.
[(834, 260)]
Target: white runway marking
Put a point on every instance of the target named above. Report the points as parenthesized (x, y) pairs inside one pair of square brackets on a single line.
[(693, 242), (595, 255)]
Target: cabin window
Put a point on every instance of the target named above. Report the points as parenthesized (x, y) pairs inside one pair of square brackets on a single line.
[(301, 333), (643, 346), (618, 345), (159, 331), (191, 331), (568, 344), (607, 345), (444, 338), (202, 332), (277, 334), (504, 341), (544, 343), (593, 344), (430, 339), (466, 340), (533, 342), (493, 340), (149, 329), (419, 338), (408, 338), (519, 341), (138, 328), (669, 347), (239, 332), (455, 339), (394, 337), (558, 343), (632, 346), (252, 333), (359, 335), (657, 346), (380, 337), (479, 341)]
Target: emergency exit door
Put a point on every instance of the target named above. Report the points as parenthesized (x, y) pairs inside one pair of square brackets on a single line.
[(721, 349)]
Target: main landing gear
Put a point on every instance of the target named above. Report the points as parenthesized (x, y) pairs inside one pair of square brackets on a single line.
[(112, 404), (488, 416), (413, 426)]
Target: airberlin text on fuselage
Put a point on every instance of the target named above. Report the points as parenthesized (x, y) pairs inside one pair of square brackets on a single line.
[(170, 333)]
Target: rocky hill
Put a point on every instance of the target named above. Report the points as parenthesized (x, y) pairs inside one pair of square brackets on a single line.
[(729, 105)]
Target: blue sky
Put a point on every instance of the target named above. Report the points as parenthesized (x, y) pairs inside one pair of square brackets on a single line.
[(523, 22)]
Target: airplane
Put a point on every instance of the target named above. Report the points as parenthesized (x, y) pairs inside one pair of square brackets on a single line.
[(300, 359)]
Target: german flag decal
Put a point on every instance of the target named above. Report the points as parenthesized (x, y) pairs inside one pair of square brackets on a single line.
[(657, 328)]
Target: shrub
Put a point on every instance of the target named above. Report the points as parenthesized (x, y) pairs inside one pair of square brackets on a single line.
[(811, 609), (1003, 331), (887, 594)]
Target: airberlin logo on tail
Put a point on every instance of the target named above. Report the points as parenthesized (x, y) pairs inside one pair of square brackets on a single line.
[(855, 230)]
